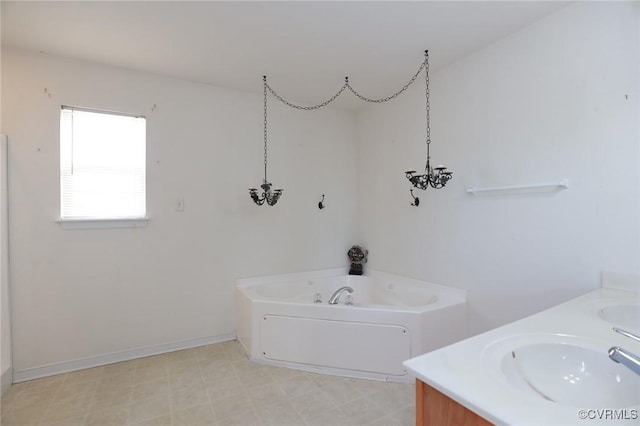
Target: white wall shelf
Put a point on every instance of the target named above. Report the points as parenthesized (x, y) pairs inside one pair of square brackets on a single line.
[(538, 187)]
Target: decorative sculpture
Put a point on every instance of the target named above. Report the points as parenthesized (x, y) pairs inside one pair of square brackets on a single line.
[(358, 257)]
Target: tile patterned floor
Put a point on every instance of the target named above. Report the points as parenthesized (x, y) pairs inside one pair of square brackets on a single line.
[(213, 385)]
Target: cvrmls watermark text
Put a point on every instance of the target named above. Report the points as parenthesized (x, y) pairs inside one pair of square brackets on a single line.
[(608, 414)]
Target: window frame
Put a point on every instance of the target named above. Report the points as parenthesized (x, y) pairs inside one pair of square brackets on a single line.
[(106, 222)]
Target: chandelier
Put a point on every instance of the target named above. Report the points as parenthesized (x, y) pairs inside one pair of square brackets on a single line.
[(271, 197), (435, 177)]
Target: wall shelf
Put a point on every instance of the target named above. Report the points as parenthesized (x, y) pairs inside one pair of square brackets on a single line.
[(539, 187)]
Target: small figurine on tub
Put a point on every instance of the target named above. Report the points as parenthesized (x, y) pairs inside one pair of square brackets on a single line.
[(358, 257)]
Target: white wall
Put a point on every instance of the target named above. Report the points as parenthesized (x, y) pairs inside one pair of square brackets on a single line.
[(556, 100), (5, 317), (86, 293)]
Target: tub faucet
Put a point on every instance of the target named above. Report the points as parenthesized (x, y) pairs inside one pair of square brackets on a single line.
[(336, 296), (625, 358)]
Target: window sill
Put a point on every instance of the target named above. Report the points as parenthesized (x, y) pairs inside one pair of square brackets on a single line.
[(103, 223)]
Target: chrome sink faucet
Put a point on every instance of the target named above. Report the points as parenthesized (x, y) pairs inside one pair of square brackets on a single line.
[(623, 356), (336, 296)]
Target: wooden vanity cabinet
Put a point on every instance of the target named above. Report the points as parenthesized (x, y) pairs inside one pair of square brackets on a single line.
[(433, 408)]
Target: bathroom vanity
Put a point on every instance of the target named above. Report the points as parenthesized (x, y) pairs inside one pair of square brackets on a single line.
[(435, 408), (550, 368)]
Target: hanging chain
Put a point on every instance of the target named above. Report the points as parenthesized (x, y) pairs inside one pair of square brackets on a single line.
[(264, 79), (307, 108), (347, 85), (426, 80), (388, 98)]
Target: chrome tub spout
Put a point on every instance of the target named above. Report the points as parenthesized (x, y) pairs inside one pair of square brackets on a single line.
[(336, 296)]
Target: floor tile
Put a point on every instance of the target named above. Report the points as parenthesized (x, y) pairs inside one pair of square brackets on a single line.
[(186, 379), (362, 410), (150, 389), (118, 398), (211, 375), (213, 385), (224, 388), (188, 396), (403, 417), (75, 390), (247, 417), (23, 416), (67, 409), (150, 372), (297, 385), (253, 378), (113, 416), (71, 421), (149, 408), (324, 417), (31, 398), (164, 420), (266, 396), (197, 415), (230, 407), (311, 404), (46, 383), (115, 379), (281, 373), (280, 415)]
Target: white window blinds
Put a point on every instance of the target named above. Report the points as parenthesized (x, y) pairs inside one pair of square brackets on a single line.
[(102, 165)]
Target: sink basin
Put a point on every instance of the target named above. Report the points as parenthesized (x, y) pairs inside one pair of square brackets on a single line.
[(572, 375), (627, 316)]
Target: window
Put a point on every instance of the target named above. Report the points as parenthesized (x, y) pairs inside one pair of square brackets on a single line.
[(102, 165)]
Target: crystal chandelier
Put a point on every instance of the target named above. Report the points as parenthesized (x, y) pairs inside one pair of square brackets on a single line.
[(271, 197), (435, 177)]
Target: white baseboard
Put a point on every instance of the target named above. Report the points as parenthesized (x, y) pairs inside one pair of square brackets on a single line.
[(6, 380), (96, 361)]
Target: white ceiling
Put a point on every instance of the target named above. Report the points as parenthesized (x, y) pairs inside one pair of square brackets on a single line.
[(305, 48)]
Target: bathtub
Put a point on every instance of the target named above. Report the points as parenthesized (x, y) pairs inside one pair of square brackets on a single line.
[(390, 320)]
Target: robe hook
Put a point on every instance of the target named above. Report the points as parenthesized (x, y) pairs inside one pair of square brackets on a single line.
[(416, 200)]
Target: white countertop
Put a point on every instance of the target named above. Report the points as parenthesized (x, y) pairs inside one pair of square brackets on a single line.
[(470, 373)]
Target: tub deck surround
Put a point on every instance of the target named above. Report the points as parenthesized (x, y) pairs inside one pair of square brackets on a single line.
[(391, 319), (482, 373)]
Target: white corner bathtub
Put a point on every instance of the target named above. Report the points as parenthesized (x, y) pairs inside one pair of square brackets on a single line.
[(392, 319)]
